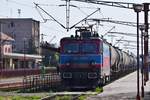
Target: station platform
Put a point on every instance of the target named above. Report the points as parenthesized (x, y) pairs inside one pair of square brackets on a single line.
[(11, 83), (11, 80), (124, 88)]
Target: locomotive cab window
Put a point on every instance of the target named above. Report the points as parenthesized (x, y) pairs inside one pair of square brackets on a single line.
[(71, 48), (89, 48)]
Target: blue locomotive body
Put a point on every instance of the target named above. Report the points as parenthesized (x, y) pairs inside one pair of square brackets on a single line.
[(80, 62)]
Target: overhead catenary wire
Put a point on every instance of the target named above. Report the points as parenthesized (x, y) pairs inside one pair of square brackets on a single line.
[(125, 33), (127, 23), (84, 19), (109, 3), (86, 7), (50, 16), (71, 5), (67, 27), (41, 15), (109, 31), (118, 40)]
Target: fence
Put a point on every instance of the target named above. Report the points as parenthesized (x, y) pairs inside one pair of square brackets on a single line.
[(44, 82), (6, 73)]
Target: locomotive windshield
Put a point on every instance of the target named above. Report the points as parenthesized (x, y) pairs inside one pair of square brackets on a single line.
[(81, 47), (71, 48), (88, 48)]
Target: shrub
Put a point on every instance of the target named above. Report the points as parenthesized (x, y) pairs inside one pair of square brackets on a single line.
[(99, 89), (82, 97)]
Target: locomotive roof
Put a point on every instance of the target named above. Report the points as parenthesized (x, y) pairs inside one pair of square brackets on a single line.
[(74, 38)]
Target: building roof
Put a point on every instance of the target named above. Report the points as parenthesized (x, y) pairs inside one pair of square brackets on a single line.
[(19, 19), (6, 37)]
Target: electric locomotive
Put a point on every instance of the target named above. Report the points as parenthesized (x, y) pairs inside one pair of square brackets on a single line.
[(84, 60), (87, 61)]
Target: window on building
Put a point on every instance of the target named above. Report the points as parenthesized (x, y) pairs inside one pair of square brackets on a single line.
[(12, 24), (8, 50), (5, 50)]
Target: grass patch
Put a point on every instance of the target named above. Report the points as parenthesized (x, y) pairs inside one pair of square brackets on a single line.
[(2, 98), (99, 89), (82, 97), (20, 98), (66, 97), (35, 97)]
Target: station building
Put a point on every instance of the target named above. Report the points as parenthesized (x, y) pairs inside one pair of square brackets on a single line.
[(25, 32), (16, 60), (20, 41)]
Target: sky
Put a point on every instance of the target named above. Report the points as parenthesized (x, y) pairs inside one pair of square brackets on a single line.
[(54, 32)]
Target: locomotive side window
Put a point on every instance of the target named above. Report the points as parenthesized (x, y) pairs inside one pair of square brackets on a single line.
[(71, 48), (100, 48), (89, 48)]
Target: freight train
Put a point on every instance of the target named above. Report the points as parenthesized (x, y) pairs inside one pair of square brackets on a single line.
[(87, 61)]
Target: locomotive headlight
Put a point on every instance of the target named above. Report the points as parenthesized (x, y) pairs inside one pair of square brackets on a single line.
[(92, 75), (67, 75), (67, 64), (93, 63)]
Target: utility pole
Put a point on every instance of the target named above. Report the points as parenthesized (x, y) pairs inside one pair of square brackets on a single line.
[(146, 9), (1, 54), (1, 63), (67, 14), (142, 27), (42, 54), (24, 58), (138, 8), (19, 13), (42, 42), (42, 35)]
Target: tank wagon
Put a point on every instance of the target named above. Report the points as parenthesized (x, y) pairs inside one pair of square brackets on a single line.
[(87, 61)]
